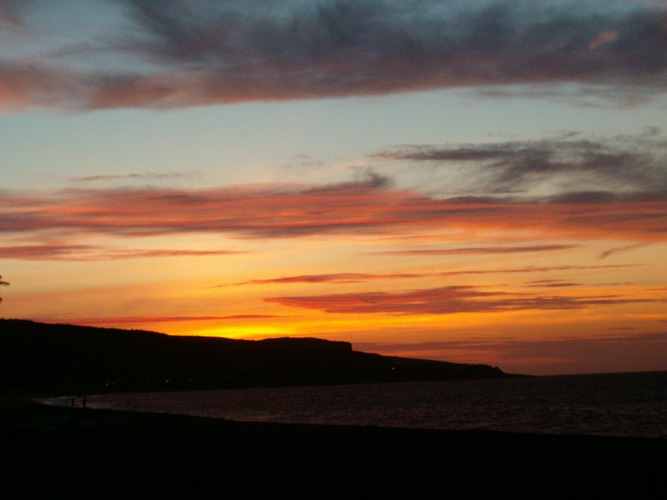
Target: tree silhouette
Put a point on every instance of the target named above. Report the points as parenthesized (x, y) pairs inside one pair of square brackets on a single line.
[(2, 283)]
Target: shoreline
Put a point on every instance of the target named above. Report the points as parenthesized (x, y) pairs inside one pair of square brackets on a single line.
[(108, 454)]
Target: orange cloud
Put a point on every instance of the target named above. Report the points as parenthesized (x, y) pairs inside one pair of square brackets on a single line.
[(351, 278), (446, 300), (297, 211), (328, 278), (133, 320), (94, 253), (482, 250)]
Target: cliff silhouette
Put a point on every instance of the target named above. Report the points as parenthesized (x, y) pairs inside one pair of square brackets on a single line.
[(65, 359)]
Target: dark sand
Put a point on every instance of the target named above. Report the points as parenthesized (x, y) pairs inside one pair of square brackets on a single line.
[(54, 452)]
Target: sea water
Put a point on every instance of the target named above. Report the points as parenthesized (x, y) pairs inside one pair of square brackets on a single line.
[(631, 404)]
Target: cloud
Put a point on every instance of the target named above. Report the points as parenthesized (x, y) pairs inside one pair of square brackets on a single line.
[(623, 249), (290, 211), (26, 84), (551, 284), (525, 345), (170, 53), (533, 269), (482, 250), (108, 177), (133, 320), (65, 252), (12, 11), (595, 353), (569, 169), (351, 278), (346, 278), (517, 186), (445, 300), (43, 252), (147, 176)]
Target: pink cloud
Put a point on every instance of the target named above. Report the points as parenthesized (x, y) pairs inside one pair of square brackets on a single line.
[(297, 211)]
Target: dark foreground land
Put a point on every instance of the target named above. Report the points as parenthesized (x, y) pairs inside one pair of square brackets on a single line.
[(69, 359), (64, 452)]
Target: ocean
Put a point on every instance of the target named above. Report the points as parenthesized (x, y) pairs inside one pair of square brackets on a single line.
[(628, 404)]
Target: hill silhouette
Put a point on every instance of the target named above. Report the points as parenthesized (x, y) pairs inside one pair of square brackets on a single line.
[(64, 359)]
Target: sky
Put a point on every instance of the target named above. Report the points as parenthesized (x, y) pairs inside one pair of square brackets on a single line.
[(480, 181)]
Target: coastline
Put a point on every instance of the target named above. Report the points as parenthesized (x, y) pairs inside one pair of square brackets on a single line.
[(111, 454)]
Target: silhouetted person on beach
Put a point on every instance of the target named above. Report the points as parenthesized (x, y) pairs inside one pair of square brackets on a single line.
[(3, 283)]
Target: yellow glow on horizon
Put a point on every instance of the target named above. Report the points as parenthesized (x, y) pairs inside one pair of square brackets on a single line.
[(241, 331)]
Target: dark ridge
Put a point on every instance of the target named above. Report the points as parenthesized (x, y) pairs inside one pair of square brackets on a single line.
[(66, 359)]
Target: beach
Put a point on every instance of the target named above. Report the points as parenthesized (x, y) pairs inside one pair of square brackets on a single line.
[(53, 451)]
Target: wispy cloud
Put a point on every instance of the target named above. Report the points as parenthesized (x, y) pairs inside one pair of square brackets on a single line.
[(623, 249), (526, 346), (287, 211), (44, 252), (570, 168), (534, 269), (625, 351), (133, 320), (146, 176), (346, 278), (481, 250), (552, 284), (11, 10), (58, 251), (171, 53), (351, 278), (446, 300)]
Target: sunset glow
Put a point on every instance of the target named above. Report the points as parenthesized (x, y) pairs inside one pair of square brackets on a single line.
[(494, 193)]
